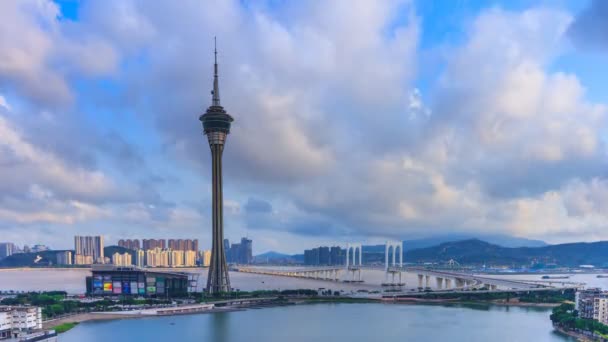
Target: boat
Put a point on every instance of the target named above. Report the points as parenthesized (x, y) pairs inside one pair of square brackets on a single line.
[(555, 277), (602, 276)]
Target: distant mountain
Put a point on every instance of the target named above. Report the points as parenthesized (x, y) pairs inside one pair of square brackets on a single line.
[(49, 258), (270, 257), (373, 248), (475, 251), (496, 239)]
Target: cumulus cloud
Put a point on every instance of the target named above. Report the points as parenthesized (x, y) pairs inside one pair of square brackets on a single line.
[(503, 133), (36, 54), (23, 162), (332, 135)]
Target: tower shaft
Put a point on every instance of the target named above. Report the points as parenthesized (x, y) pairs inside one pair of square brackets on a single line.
[(218, 279)]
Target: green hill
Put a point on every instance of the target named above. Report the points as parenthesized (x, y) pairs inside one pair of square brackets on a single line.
[(47, 258), (474, 251), (110, 250)]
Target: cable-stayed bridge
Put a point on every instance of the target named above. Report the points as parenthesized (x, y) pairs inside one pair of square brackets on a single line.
[(393, 269)]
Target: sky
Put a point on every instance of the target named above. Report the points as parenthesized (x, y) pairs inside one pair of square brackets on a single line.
[(355, 121)]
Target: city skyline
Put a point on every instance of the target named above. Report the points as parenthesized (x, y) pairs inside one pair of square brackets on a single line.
[(347, 131)]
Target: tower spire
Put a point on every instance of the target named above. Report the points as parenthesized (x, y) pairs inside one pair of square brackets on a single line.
[(215, 100)]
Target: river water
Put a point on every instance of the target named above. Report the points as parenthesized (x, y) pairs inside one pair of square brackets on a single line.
[(73, 280), (333, 322), (314, 322)]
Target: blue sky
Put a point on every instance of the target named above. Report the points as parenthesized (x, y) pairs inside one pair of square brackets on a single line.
[(354, 120)]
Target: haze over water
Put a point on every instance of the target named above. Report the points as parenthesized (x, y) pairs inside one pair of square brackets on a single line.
[(73, 280)]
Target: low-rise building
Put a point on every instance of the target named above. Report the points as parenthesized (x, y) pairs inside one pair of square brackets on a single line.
[(600, 309), (113, 280), (585, 302), (19, 318)]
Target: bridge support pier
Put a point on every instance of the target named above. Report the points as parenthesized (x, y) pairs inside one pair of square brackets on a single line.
[(440, 283), (448, 283), (427, 282), (420, 276)]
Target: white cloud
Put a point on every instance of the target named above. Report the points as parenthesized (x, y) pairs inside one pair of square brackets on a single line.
[(27, 163), (3, 103), (36, 54)]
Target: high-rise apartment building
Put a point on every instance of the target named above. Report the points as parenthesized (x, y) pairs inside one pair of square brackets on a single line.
[(157, 258), (246, 253), (336, 256), (227, 250), (90, 246), (206, 258), (233, 256), (140, 258), (189, 258), (64, 258), (124, 259), (183, 244), (240, 253), (324, 256), (130, 244), (153, 243), (7, 249), (311, 256), (176, 258)]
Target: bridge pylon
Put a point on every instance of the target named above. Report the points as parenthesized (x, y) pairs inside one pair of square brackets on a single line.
[(355, 268), (396, 247)]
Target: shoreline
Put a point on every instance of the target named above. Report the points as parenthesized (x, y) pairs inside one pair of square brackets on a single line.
[(414, 300), (120, 315), (577, 336)]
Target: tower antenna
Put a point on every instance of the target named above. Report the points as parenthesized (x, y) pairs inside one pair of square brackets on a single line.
[(215, 101)]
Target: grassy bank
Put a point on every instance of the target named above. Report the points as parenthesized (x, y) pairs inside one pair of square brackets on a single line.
[(61, 328)]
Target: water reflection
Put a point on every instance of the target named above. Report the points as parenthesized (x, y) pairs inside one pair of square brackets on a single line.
[(221, 326)]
